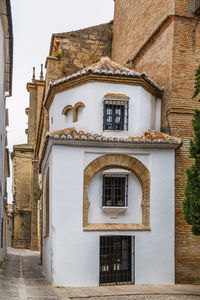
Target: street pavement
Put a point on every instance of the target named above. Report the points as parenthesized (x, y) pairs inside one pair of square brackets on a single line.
[(21, 277)]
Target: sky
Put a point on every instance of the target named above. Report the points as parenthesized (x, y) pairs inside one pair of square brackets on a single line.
[(34, 21)]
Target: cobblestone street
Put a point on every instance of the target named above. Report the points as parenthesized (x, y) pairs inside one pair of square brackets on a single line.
[(21, 278)]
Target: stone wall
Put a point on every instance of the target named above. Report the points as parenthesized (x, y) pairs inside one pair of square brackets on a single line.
[(75, 50), (22, 169)]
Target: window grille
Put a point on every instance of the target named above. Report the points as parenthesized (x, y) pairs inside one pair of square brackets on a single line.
[(115, 190), (115, 115), (117, 260)]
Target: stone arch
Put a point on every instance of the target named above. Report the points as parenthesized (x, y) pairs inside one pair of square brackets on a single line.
[(66, 109), (114, 161), (76, 108)]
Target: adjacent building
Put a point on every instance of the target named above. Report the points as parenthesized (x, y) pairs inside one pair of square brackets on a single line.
[(6, 63)]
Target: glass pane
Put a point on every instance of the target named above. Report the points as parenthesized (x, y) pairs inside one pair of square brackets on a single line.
[(109, 119), (118, 111), (109, 111), (117, 119)]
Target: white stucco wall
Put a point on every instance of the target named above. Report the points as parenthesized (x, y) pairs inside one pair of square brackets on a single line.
[(108, 215), (47, 240), (75, 253), (144, 109)]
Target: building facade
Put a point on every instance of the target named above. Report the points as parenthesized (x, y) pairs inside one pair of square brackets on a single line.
[(107, 213), (6, 53), (164, 43)]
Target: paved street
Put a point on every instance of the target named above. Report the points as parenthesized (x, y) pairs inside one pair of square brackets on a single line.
[(21, 278)]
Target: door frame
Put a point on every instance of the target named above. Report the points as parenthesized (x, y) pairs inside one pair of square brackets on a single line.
[(131, 259)]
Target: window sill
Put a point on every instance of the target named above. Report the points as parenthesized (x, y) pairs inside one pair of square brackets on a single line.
[(114, 209)]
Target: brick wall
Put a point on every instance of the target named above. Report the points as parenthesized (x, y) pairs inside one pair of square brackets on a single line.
[(134, 22), (185, 7), (186, 58)]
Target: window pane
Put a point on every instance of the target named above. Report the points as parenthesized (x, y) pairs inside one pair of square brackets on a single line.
[(109, 119), (116, 115), (115, 190), (117, 119)]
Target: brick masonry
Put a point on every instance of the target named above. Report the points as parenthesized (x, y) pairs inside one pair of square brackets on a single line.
[(162, 38)]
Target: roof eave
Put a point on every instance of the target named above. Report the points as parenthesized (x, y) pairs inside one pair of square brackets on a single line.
[(8, 36), (117, 79), (50, 141)]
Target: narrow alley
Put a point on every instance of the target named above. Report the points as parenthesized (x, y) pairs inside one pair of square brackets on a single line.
[(21, 278)]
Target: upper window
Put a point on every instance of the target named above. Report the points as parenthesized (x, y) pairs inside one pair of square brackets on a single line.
[(115, 190), (115, 115)]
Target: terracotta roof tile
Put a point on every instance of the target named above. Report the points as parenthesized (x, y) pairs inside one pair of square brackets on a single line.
[(150, 137), (108, 67)]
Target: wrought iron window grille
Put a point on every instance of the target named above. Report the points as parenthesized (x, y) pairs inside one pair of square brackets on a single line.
[(115, 115), (115, 190), (117, 260)]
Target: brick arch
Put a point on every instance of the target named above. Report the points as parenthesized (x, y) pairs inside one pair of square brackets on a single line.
[(114, 161)]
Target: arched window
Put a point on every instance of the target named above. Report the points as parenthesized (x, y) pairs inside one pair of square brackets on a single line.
[(128, 163)]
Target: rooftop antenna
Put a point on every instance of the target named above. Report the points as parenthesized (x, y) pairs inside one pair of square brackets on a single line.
[(33, 77), (41, 73)]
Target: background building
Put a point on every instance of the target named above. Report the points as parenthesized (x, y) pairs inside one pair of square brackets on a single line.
[(9, 225), (6, 60)]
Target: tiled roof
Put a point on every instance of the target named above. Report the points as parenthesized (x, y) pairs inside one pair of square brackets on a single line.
[(107, 67), (150, 137)]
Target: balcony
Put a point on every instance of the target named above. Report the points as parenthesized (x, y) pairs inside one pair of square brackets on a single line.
[(197, 7)]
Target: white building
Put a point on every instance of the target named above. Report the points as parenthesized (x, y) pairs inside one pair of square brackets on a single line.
[(6, 50), (108, 188)]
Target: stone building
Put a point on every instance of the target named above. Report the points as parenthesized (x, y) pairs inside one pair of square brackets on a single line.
[(9, 225), (160, 38), (25, 233), (6, 60)]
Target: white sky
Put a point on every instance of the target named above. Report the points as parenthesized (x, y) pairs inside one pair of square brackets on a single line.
[(34, 21)]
